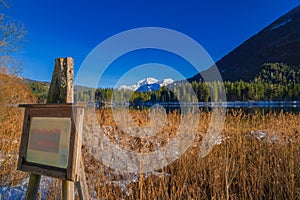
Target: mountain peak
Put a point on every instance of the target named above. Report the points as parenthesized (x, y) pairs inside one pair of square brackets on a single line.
[(147, 81), (148, 84)]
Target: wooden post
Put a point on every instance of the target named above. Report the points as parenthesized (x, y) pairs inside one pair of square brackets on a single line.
[(62, 84), (61, 91), (33, 187), (81, 183)]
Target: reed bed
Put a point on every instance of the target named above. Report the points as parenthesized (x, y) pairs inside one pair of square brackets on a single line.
[(256, 157)]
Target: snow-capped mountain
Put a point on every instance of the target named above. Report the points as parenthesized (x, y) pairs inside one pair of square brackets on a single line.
[(147, 85)]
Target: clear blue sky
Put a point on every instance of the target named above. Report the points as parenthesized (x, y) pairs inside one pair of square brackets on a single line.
[(73, 28)]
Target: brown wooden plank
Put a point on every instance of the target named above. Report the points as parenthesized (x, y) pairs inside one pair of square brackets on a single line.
[(51, 112), (73, 145), (24, 139), (45, 170), (65, 105)]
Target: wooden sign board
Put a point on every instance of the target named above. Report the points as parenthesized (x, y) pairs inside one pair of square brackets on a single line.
[(51, 140)]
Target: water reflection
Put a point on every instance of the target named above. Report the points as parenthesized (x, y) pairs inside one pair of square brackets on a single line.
[(247, 107)]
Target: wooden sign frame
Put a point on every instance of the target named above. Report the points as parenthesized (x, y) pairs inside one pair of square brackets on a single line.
[(50, 112)]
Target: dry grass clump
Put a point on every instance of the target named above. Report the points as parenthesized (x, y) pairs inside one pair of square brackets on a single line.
[(12, 91)]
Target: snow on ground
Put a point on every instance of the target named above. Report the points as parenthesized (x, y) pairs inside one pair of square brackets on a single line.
[(19, 191)]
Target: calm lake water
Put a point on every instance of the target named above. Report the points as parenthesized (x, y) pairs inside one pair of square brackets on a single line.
[(248, 107)]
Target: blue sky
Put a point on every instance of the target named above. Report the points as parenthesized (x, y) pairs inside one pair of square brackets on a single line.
[(74, 28)]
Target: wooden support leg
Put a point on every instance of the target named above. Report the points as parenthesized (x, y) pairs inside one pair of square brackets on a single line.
[(81, 184), (33, 187), (67, 190)]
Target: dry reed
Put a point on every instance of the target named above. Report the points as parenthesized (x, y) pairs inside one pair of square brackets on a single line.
[(258, 158)]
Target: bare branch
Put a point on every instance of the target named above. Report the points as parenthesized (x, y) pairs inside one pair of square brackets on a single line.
[(12, 34)]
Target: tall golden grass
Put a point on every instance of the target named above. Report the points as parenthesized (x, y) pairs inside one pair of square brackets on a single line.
[(258, 158)]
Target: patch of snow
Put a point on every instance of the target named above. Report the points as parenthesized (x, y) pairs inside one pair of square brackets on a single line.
[(258, 134), (270, 137), (282, 24), (165, 82), (93, 195), (19, 191), (14, 192), (147, 81)]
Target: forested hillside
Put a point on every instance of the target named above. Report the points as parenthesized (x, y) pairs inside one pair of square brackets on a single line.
[(278, 42)]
